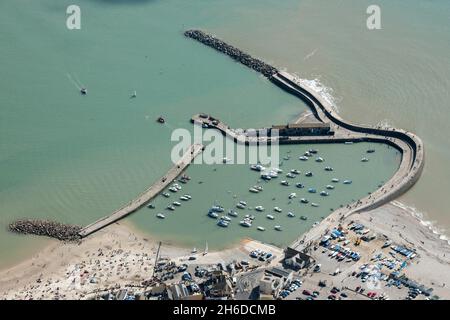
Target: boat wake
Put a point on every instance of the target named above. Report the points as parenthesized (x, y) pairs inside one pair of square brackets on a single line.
[(75, 81), (431, 225)]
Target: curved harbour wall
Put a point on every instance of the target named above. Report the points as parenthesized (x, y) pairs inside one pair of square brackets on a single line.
[(410, 145)]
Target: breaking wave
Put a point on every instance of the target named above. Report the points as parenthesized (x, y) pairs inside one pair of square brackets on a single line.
[(420, 216)]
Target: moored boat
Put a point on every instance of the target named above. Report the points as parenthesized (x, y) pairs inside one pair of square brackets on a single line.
[(270, 217), (160, 216)]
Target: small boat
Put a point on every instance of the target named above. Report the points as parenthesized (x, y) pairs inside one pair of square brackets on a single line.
[(329, 169), (161, 120), (270, 217), (176, 203), (194, 250), (303, 200), (314, 204), (284, 183), (348, 142), (160, 216), (265, 176), (312, 190), (299, 185), (364, 160), (253, 190), (277, 209), (292, 195), (257, 167), (307, 154), (173, 189), (170, 207), (151, 206), (183, 198), (319, 159), (240, 206), (259, 208), (213, 214), (278, 228), (304, 218), (313, 151), (315, 224), (243, 203), (303, 158), (330, 187), (166, 194), (187, 196), (347, 181), (286, 158), (134, 95), (371, 151), (290, 175), (273, 174), (225, 218), (261, 228), (295, 171), (232, 213), (246, 223), (290, 215), (223, 223), (309, 174), (324, 194), (277, 170), (335, 180), (205, 125), (217, 209), (259, 188)]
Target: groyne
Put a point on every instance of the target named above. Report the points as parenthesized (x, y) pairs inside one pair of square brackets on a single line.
[(47, 228), (147, 195), (233, 52)]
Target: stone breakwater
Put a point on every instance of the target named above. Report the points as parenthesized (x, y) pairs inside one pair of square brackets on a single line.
[(63, 232), (236, 54)]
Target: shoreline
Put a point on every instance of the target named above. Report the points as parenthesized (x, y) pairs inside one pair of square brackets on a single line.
[(120, 255)]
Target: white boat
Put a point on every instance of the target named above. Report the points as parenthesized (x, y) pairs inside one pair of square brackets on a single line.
[(240, 206), (194, 250), (304, 218), (314, 204), (290, 215), (173, 189), (309, 174), (170, 207), (364, 160), (335, 180), (259, 188), (303, 158), (290, 175), (206, 248), (176, 203), (303, 200), (253, 190), (161, 216), (270, 217), (183, 198), (312, 190), (225, 218), (319, 159), (278, 228), (223, 223), (324, 193), (307, 154), (273, 174), (217, 209), (232, 213), (261, 228), (246, 223), (330, 187), (277, 170), (257, 167), (243, 203), (151, 206), (284, 183), (259, 208), (292, 195), (295, 171), (348, 142), (299, 185), (134, 95), (277, 209), (165, 194), (265, 176), (187, 196), (213, 214), (329, 169), (347, 181), (313, 151)]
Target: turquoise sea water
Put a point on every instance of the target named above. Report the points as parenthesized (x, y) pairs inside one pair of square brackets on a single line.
[(73, 158)]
